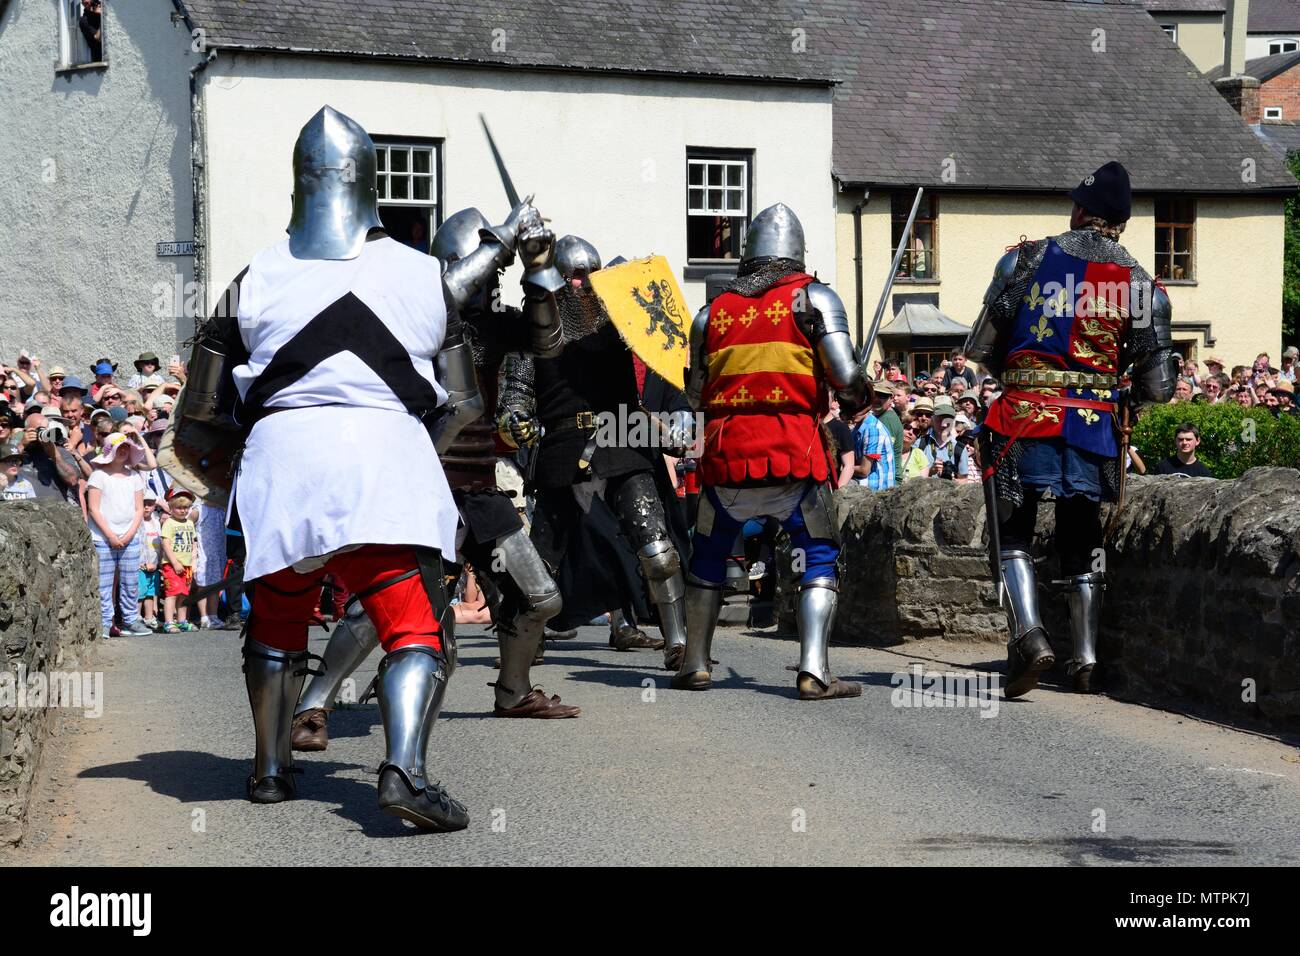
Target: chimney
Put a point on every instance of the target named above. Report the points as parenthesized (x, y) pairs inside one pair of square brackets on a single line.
[(1234, 37), (1242, 94)]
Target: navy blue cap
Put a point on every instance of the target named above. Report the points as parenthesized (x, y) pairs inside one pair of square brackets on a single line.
[(1106, 193)]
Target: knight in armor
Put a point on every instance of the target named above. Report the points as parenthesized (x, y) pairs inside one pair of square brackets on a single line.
[(601, 517), (521, 594), (340, 363), (762, 355), (1062, 319)]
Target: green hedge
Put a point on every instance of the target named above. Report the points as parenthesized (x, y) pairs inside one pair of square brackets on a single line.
[(1227, 447)]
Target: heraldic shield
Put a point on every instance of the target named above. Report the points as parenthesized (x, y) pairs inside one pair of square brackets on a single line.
[(649, 311)]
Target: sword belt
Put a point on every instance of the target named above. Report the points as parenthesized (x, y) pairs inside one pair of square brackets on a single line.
[(1057, 378)]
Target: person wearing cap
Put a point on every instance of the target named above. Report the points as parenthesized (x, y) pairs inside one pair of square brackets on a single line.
[(103, 371), (179, 543), (13, 485), (115, 507), (1057, 316), (146, 370), (1290, 357), (883, 409), (101, 424), (936, 453)]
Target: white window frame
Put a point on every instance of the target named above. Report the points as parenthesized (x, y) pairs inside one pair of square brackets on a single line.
[(1272, 112), (74, 51), (1171, 31), (385, 150), (1292, 42), (705, 187)]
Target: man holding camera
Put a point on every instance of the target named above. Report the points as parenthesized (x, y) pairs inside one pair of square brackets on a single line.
[(54, 469)]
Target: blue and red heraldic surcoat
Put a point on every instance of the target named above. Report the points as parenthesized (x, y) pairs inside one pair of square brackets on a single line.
[(1072, 318), (763, 402)]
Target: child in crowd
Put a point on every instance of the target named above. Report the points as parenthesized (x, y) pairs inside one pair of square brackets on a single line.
[(115, 508), (150, 555), (12, 487), (178, 561)]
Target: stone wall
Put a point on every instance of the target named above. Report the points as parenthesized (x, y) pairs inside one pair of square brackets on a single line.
[(1204, 596), (49, 611)]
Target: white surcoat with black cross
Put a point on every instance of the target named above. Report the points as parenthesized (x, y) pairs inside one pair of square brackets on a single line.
[(340, 365)]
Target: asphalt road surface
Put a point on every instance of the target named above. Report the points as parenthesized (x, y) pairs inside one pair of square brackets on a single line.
[(744, 773)]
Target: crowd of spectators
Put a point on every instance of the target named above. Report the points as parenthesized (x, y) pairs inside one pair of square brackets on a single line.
[(928, 427), (91, 443)]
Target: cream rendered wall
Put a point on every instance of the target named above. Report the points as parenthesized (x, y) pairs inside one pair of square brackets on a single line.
[(1238, 288), (97, 171), (1200, 36), (606, 156)]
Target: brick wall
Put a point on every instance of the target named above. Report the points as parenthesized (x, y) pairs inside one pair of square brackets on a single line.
[(1282, 90)]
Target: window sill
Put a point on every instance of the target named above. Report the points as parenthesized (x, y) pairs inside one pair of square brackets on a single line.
[(701, 270), (1178, 282), (902, 280), (80, 68)]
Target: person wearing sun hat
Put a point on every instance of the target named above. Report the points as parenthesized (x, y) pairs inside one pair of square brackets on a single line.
[(146, 370), (178, 540), (115, 508)]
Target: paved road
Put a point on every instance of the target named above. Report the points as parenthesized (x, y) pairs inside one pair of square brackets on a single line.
[(742, 774)]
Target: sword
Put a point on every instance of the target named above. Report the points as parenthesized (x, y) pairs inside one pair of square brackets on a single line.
[(870, 341), (512, 194), (990, 476)]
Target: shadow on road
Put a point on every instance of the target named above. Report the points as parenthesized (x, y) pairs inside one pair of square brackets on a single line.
[(190, 776)]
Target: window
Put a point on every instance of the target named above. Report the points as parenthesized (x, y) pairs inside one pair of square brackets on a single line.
[(1175, 239), (409, 187), (921, 256), (1282, 46), (1171, 31), (81, 32), (1273, 112), (930, 362), (717, 203)]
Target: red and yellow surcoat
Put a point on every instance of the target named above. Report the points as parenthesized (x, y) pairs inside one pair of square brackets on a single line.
[(763, 402)]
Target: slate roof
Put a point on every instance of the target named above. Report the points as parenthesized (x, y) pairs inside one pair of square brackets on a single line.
[(1011, 91), (1186, 6), (1262, 68), (1281, 137), (920, 319), (1273, 16)]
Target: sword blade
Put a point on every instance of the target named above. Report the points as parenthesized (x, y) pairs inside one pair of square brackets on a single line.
[(512, 194), (889, 281)]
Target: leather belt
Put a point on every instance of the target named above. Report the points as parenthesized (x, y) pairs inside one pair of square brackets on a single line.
[(1056, 378), (583, 421), (1063, 401)]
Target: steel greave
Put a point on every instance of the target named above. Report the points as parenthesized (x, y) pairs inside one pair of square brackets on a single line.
[(702, 607), (1020, 594), (815, 619), (1084, 598), (351, 643), (274, 679), (411, 686)]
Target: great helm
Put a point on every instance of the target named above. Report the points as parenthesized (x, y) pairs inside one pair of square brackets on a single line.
[(458, 235), (573, 254), (775, 233), (334, 199)]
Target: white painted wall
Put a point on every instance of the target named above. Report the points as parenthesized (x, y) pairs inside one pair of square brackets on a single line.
[(97, 171), (606, 156), (1257, 44)]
